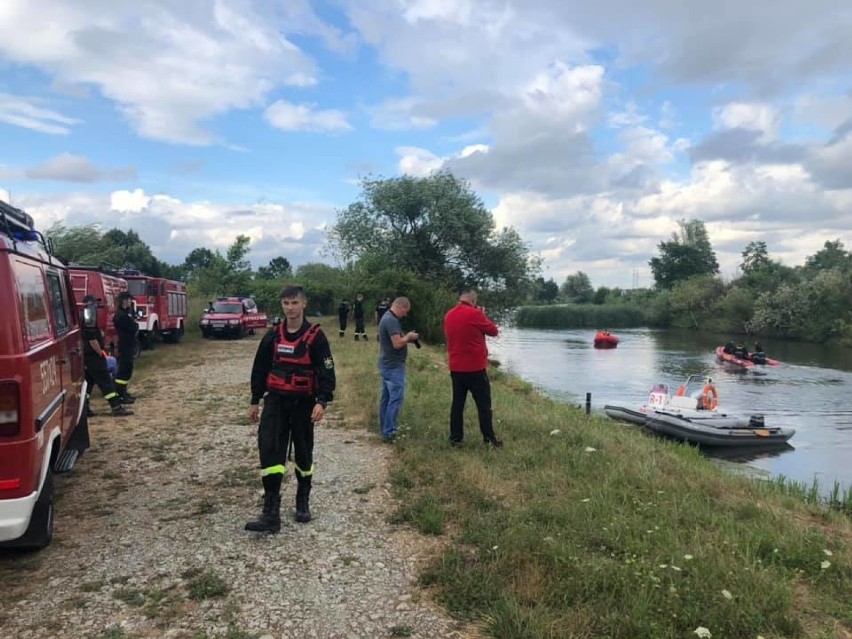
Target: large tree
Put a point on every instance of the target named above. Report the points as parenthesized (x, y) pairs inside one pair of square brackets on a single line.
[(435, 227), (578, 288), (687, 254)]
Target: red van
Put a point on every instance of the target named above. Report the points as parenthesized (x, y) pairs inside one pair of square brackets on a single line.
[(88, 280), (161, 307), (43, 427)]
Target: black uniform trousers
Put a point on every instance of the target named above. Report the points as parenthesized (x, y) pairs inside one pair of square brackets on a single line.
[(97, 372), (342, 320), (479, 386), (285, 419), (125, 367)]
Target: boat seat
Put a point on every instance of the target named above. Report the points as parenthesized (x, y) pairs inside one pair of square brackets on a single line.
[(684, 402)]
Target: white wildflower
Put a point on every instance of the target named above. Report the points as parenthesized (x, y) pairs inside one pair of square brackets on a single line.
[(494, 547), (688, 557), (555, 431), (702, 632), (827, 552), (589, 449), (587, 499), (825, 564), (727, 594), (675, 568)]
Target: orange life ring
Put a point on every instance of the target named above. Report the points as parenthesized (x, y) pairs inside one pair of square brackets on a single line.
[(709, 397)]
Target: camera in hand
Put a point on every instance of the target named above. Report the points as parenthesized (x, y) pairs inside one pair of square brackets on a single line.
[(417, 342)]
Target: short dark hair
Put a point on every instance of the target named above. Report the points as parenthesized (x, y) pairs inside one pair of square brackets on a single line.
[(467, 290), (292, 290)]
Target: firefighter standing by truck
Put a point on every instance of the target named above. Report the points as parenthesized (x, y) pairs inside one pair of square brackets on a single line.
[(94, 359), (127, 328), (293, 372), (358, 314)]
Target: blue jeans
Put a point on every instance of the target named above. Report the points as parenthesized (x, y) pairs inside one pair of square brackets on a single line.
[(393, 392)]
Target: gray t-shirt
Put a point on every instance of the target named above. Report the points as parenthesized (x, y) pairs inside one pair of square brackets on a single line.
[(390, 357)]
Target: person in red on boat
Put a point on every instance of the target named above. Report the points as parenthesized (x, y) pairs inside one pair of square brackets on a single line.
[(465, 328)]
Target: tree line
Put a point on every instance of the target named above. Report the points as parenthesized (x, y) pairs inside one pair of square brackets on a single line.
[(426, 237), (809, 302)]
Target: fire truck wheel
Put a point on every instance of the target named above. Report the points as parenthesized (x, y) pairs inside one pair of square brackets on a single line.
[(241, 332), (137, 348), (40, 531)]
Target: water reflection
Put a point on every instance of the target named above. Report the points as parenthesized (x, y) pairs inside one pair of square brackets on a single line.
[(811, 391)]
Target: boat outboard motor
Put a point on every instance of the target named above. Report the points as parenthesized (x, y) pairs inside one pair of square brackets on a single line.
[(756, 421)]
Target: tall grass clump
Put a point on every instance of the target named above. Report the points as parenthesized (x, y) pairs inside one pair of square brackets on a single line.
[(580, 316), (581, 527)]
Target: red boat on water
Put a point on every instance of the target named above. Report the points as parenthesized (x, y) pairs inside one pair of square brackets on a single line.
[(752, 360), (605, 339)]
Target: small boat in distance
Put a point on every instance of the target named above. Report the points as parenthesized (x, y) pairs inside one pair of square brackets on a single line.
[(605, 339), (693, 417)]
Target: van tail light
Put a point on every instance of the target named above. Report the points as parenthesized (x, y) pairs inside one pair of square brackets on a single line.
[(10, 484), (10, 409)]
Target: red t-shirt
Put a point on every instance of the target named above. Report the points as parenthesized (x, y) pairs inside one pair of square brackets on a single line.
[(465, 328)]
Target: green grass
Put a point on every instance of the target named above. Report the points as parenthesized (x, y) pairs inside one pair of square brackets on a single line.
[(207, 585), (598, 531)]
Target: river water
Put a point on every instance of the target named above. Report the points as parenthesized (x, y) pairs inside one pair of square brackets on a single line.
[(810, 391)]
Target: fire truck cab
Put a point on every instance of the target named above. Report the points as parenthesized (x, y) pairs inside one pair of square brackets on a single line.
[(43, 427), (88, 280), (161, 307)]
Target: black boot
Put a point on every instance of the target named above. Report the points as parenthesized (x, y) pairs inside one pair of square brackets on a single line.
[(118, 409), (356, 337), (303, 494), (270, 519), (124, 396), (340, 334)]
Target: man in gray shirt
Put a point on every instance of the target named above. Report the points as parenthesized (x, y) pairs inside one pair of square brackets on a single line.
[(393, 350)]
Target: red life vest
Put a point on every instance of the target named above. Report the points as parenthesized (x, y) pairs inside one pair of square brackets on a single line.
[(292, 370)]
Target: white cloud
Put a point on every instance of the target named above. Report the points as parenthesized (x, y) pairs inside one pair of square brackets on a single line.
[(167, 66), (303, 117), (754, 117), (67, 167), (173, 227), (418, 162), (397, 114), (26, 112)]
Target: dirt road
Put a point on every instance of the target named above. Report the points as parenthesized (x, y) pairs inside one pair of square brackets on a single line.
[(149, 527)]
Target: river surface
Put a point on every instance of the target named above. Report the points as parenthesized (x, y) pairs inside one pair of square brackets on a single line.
[(810, 391)]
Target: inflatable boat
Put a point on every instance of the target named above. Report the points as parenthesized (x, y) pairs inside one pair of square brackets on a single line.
[(694, 417), (605, 339), (752, 360)]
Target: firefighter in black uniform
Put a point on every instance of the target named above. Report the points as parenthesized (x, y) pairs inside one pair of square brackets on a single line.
[(127, 328), (293, 373), (342, 317), (94, 359), (358, 314)]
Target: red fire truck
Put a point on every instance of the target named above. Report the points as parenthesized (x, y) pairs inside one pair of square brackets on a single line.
[(88, 280), (161, 307), (43, 427)]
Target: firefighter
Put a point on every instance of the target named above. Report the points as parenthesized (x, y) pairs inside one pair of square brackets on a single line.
[(342, 317), (126, 326), (358, 314), (293, 373), (95, 361)]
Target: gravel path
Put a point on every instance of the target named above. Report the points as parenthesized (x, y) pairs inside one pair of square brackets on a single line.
[(149, 529)]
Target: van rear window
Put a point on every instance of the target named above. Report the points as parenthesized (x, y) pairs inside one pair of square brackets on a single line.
[(57, 302), (137, 287), (35, 324)]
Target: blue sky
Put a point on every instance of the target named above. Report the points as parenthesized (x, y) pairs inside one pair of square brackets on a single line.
[(591, 128)]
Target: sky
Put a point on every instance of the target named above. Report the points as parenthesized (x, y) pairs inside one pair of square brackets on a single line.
[(590, 127)]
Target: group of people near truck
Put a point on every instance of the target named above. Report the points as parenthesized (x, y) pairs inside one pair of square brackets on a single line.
[(294, 375)]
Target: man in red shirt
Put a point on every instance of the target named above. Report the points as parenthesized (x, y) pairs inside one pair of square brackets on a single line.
[(465, 327)]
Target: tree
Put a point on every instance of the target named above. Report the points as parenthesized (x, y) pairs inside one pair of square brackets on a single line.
[(578, 288), (199, 258), (546, 290), (686, 255), (277, 268), (832, 255), (435, 227), (755, 257)]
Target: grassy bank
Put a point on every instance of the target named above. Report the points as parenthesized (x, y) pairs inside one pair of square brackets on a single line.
[(581, 527)]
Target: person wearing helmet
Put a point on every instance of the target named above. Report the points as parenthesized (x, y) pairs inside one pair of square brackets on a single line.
[(95, 361), (126, 326)]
